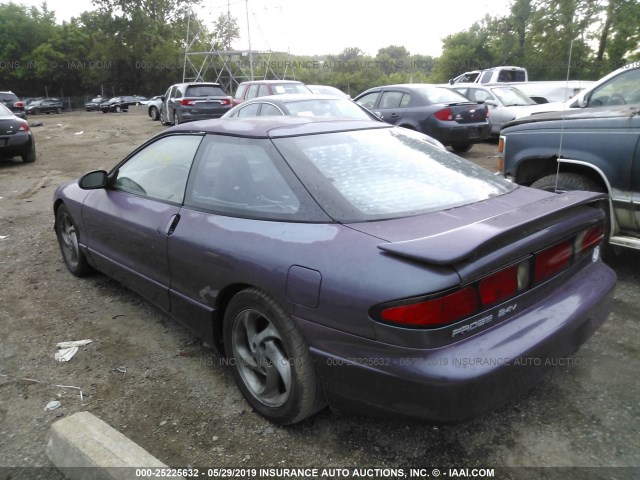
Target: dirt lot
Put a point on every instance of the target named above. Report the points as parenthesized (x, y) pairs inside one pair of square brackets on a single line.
[(150, 379)]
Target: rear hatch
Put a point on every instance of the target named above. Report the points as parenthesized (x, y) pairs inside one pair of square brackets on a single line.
[(465, 113), (206, 100), (478, 238), (509, 254)]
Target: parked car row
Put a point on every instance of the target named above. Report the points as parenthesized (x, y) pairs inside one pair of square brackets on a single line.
[(440, 112)]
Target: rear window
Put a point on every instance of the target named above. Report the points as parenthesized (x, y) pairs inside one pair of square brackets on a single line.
[(8, 97), (442, 95), (385, 173), (279, 89), (205, 91)]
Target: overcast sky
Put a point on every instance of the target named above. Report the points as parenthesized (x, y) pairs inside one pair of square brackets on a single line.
[(328, 26)]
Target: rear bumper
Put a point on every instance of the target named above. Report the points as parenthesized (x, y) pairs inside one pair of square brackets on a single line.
[(457, 134), (185, 115), (471, 377), (16, 144)]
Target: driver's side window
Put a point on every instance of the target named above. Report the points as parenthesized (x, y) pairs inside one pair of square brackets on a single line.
[(160, 170), (620, 90)]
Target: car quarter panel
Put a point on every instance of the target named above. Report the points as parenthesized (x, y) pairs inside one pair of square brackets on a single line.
[(208, 253)]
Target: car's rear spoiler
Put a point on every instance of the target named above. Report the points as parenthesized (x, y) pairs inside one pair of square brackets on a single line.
[(527, 223)]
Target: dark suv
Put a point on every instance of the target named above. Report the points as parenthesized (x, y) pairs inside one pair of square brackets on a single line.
[(186, 102), (46, 105), (263, 88), (13, 103)]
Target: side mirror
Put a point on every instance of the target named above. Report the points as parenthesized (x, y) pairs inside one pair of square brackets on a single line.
[(582, 100), (451, 81), (94, 180)]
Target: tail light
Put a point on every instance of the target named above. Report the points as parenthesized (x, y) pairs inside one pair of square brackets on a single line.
[(552, 260), (588, 239), (24, 127), (188, 103), (501, 153), (493, 289), (436, 312), (446, 115), (19, 104)]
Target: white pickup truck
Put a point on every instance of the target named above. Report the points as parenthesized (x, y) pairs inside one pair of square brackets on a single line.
[(493, 75)]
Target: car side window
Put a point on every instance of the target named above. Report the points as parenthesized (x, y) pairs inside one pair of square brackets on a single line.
[(620, 90), (240, 91), (368, 101), (269, 110), (239, 177), (478, 95), (252, 92), (391, 99), (263, 91), (160, 170), (249, 110)]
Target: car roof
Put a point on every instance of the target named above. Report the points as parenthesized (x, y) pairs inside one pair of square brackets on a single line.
[(293, 97), (188, 84), (271, 81), (276, 127)]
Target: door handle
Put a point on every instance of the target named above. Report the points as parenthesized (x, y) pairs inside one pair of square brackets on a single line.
[(172, 224)]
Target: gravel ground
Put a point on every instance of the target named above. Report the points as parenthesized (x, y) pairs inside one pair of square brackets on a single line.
[(149, 378)]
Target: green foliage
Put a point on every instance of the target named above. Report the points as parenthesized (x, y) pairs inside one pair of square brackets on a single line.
[(138, 47)]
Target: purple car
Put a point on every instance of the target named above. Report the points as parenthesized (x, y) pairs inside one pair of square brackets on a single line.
[(346, 262)]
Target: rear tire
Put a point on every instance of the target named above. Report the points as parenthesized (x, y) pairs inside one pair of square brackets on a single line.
[(153, 113), (270, 359), (29, 157), (462, 148)]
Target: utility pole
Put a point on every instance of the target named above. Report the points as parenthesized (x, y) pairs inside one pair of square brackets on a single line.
[(246, 3)]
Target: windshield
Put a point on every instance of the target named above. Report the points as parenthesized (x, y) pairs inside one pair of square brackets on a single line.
[(511, 97), (385, 173)]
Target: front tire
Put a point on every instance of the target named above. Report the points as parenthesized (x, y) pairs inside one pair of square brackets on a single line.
[(270, 359), (566, 182), (67, 233)]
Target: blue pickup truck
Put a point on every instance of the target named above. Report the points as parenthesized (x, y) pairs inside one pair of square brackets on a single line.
[(594, 146)]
